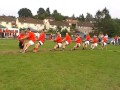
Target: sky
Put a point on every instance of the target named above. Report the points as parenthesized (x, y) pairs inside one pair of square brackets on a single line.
[(65, 7)]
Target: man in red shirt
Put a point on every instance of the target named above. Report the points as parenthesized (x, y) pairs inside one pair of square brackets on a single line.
[(78, 41), (104, 42), (58, 40), (67, 40), (94, 42), (21, 42), (31, 37), (87, 41), (41, 40)]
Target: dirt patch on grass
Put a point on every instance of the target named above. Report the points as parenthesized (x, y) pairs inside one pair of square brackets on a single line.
[(9, 52), (41, 50)]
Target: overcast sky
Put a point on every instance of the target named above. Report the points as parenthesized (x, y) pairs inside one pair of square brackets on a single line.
[(66, 7)]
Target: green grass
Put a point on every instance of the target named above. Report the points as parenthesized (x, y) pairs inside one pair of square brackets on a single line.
[(68, 70)]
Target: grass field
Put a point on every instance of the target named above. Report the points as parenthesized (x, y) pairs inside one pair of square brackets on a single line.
[(58, 70)]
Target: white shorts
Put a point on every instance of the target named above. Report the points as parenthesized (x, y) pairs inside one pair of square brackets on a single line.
[(95, 44), (59, 44), (31, 42), (66, 42), (104, 43), (40, 43), (78, 44), (87, 42)]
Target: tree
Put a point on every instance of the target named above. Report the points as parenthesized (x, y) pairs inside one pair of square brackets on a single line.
[(48, 12), (42, 16), (41, 13), (81, 18), (105, 24), (89, 17), (98, 19), (98, 16), (55, 12), (65, 17), (106, 13), (57, 16), (24, 12), (73, 16), (117, 27)]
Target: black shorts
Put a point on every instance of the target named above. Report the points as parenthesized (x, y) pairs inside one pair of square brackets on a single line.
[(21, 45)]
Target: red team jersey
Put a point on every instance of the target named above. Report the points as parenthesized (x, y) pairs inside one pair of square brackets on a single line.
[(104, 39), (78, 40), (95, 40), (42, 37), (68, 39), (31, 36), (88, 37), (21, 35), (58, 39)]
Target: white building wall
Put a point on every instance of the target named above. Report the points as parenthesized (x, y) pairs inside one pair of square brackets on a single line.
[(6, 24), (31, 25)]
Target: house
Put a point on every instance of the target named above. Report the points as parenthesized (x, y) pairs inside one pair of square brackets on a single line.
[(51, 24), (50, 18), (7, 21), (85, 27), (29, 22), (48, 23), (72, 21), (60, 24)]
